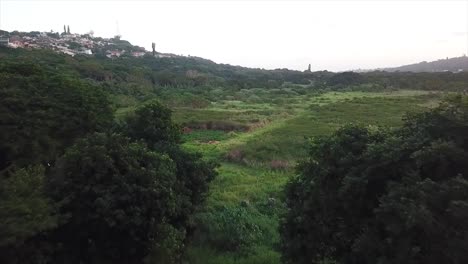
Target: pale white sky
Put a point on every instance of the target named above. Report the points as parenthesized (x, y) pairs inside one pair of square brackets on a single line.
[(333, 35)]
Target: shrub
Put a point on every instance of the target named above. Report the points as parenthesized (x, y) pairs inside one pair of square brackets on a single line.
[(279, 164), (152, 123), (235, 155), (217, 125), (230, 229)]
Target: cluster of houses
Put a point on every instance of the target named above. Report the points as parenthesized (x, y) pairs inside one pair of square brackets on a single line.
[(71, 44)]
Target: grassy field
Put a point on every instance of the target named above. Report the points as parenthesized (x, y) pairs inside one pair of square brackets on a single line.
[(240, 219)]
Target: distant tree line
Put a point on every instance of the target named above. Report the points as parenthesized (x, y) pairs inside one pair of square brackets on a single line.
[(129, 80), (381, 81)]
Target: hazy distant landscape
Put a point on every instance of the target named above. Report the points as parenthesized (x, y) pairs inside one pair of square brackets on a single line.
[(112, 153), (457, 64)]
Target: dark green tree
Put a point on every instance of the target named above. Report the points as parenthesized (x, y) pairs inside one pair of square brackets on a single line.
[(118, 197), (152, 124), (367, 196), (345, 79), (41, 113), (26, 213), (128, 198)]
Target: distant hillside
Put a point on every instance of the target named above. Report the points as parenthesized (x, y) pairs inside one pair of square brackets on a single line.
[(131, 75), (117, 62), (456, 64)]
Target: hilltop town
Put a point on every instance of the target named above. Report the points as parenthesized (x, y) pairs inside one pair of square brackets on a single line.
[(73, 44)]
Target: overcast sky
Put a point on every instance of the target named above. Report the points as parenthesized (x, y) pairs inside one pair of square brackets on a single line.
[(332, 35)]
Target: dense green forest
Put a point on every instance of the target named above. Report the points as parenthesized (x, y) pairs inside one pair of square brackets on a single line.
[(77, 187), (182, 160)]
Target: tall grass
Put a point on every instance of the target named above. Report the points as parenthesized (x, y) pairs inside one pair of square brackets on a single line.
[(239, 221)]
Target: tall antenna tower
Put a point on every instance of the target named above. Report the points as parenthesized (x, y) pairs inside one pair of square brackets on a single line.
[(0, 14), (117, 30)]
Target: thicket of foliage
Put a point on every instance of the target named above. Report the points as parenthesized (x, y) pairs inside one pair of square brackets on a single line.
[(77, 189), (345, 79), (41, 114), (442, 81), (376, 196)]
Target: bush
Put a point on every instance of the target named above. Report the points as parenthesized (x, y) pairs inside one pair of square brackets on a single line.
[(230, 229), (152, 123), (235, 155), (217, 125), (279, 164)]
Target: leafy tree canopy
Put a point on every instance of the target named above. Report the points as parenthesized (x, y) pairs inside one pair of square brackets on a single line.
[(378, 196), (41, 113), (116, 194)]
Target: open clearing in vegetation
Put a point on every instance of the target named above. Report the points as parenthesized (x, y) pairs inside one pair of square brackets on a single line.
[(240, 219)]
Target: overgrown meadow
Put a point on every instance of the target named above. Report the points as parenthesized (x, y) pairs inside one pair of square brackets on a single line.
[(258, 144), (255, 124)]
